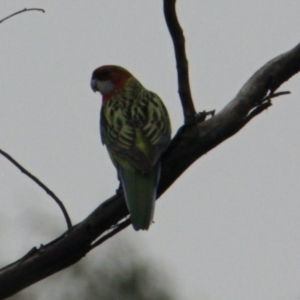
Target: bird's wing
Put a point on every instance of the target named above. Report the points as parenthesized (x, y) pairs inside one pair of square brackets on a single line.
[(156, 128), (137, 129)]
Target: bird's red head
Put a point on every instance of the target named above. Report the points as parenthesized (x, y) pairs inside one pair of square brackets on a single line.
[(109, 79)]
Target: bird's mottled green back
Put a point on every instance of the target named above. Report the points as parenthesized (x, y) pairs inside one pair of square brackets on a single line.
[(135, 126)]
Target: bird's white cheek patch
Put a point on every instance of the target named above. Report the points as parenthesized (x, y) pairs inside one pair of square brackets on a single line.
[(105, 86)]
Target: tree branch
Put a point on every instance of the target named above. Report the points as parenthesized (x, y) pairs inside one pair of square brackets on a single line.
[(40, 184), (189, 144), (266, 102), (21, 11), (178, 39)]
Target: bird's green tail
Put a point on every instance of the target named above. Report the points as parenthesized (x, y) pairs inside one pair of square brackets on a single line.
[(140, 194)]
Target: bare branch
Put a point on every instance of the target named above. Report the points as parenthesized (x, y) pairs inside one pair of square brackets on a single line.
[(274, 95), (65, 250), (257, 110), (191, 142), (22, 11), (266, 102), (42, 185), (117, 228), (178, 39)]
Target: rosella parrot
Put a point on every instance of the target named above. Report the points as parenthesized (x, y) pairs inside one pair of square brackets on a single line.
[(135, 127)]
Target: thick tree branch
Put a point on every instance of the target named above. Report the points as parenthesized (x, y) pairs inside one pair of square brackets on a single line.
[(190, 143), (178, 39), (40, 184), (21, 11)]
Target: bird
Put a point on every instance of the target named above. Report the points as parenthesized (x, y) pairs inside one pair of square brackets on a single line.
[(135, 128)]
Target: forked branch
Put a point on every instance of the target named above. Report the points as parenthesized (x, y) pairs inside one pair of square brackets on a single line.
[(191, 142), (188, 145)]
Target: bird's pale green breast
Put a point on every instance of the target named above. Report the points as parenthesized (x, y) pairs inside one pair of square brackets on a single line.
[(135, 125)]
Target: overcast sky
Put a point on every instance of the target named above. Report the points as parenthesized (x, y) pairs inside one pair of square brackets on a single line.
[(229, 228)]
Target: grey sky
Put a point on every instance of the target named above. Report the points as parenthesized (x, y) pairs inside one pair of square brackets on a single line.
[(228, 229)]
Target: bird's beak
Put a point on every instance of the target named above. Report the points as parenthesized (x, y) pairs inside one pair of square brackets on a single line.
[(94, 85)]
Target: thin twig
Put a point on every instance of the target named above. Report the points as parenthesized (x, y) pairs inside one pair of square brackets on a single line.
[(21, 11), (274, 95), (115, 230), (178, 39), (257, 110), (265, 103), (39, 183)]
